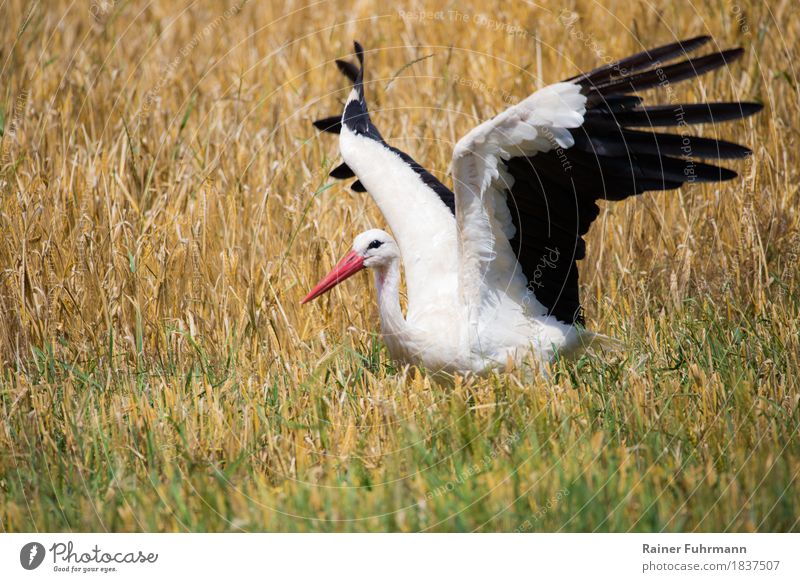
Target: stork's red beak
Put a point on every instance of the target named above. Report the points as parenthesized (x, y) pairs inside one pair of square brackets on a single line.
[(351, 264)]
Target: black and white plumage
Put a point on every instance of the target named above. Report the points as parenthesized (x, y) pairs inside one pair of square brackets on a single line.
[(491, 268)]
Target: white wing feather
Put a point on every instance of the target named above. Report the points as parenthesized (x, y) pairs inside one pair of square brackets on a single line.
[(423, 226), (489, 271)]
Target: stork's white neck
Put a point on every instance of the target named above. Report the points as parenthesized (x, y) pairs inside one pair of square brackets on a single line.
[(393, 323)]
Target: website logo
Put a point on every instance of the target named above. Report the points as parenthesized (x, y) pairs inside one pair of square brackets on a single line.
[(31, 555)]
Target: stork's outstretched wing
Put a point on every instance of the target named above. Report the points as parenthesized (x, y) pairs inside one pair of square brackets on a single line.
[(527, 182), (418, 208)]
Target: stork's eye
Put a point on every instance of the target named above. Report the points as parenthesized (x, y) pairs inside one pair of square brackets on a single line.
[(374, 244)]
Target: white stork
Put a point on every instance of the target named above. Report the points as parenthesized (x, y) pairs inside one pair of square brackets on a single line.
[(490, 269)]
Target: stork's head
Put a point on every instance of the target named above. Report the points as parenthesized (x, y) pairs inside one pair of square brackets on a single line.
[(373, 249)]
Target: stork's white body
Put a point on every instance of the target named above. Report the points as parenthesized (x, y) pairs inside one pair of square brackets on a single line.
[(449, 325), (442, 336)]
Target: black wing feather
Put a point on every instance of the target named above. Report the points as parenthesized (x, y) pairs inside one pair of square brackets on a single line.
[(348, 69), (342, 172), (642, 60), (330, 124), (674, 115), (663, 75), (621, 142), (553, 200), (356, 118)]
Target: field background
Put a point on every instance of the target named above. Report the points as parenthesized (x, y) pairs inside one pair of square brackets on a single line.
[(165, 206)]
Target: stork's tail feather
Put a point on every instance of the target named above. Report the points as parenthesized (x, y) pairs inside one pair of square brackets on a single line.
[(590, 340)]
